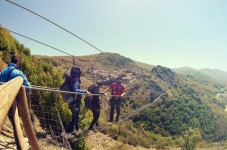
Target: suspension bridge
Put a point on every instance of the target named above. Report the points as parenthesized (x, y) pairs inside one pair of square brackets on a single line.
[(48, 127)]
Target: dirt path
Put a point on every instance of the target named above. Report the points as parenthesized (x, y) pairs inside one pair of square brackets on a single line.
[(99, 141), (7, 139)]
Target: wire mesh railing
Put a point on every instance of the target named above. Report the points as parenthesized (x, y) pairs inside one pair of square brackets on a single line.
[(49, 128)]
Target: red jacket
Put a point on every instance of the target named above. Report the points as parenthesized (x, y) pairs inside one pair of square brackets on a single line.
[(117, 88)]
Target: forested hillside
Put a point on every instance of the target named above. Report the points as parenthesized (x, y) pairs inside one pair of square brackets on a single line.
[(188, 105), (187, 114)]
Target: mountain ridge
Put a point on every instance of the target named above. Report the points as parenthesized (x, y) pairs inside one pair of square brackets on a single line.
[(215, 74)]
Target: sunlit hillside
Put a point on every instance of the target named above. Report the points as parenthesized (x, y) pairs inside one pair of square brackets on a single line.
[(186, 115)]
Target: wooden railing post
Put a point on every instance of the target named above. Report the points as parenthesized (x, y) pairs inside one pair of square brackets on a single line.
[(18, 131), (8, 92), (25, 116)]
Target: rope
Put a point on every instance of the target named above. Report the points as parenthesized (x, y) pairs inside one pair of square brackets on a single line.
[(62, 126), (54, 24), (37, 41), (34, 87), (128, 116)]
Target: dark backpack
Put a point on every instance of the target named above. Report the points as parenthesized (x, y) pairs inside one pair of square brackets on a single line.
[(88, 99), (65, 87)]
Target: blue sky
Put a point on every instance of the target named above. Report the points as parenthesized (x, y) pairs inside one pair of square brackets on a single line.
[(171, 33)]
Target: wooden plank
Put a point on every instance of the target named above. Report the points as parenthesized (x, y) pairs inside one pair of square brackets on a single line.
[(8, 92), (25, 116), (18, 127)]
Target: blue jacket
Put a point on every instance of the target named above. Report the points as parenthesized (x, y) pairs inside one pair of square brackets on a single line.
[(75, 86), (15, 73)]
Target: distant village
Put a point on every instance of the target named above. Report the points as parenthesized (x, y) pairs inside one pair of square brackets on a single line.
[(107, 77)]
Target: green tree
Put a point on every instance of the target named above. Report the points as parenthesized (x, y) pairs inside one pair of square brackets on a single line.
[(191, 138)]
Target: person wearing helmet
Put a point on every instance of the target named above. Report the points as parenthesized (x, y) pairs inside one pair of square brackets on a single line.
[(118, 91)]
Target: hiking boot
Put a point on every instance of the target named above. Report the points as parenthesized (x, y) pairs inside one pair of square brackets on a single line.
[(79, 132), (97, 124), (69, 135), (98, 127), (91, 128)]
